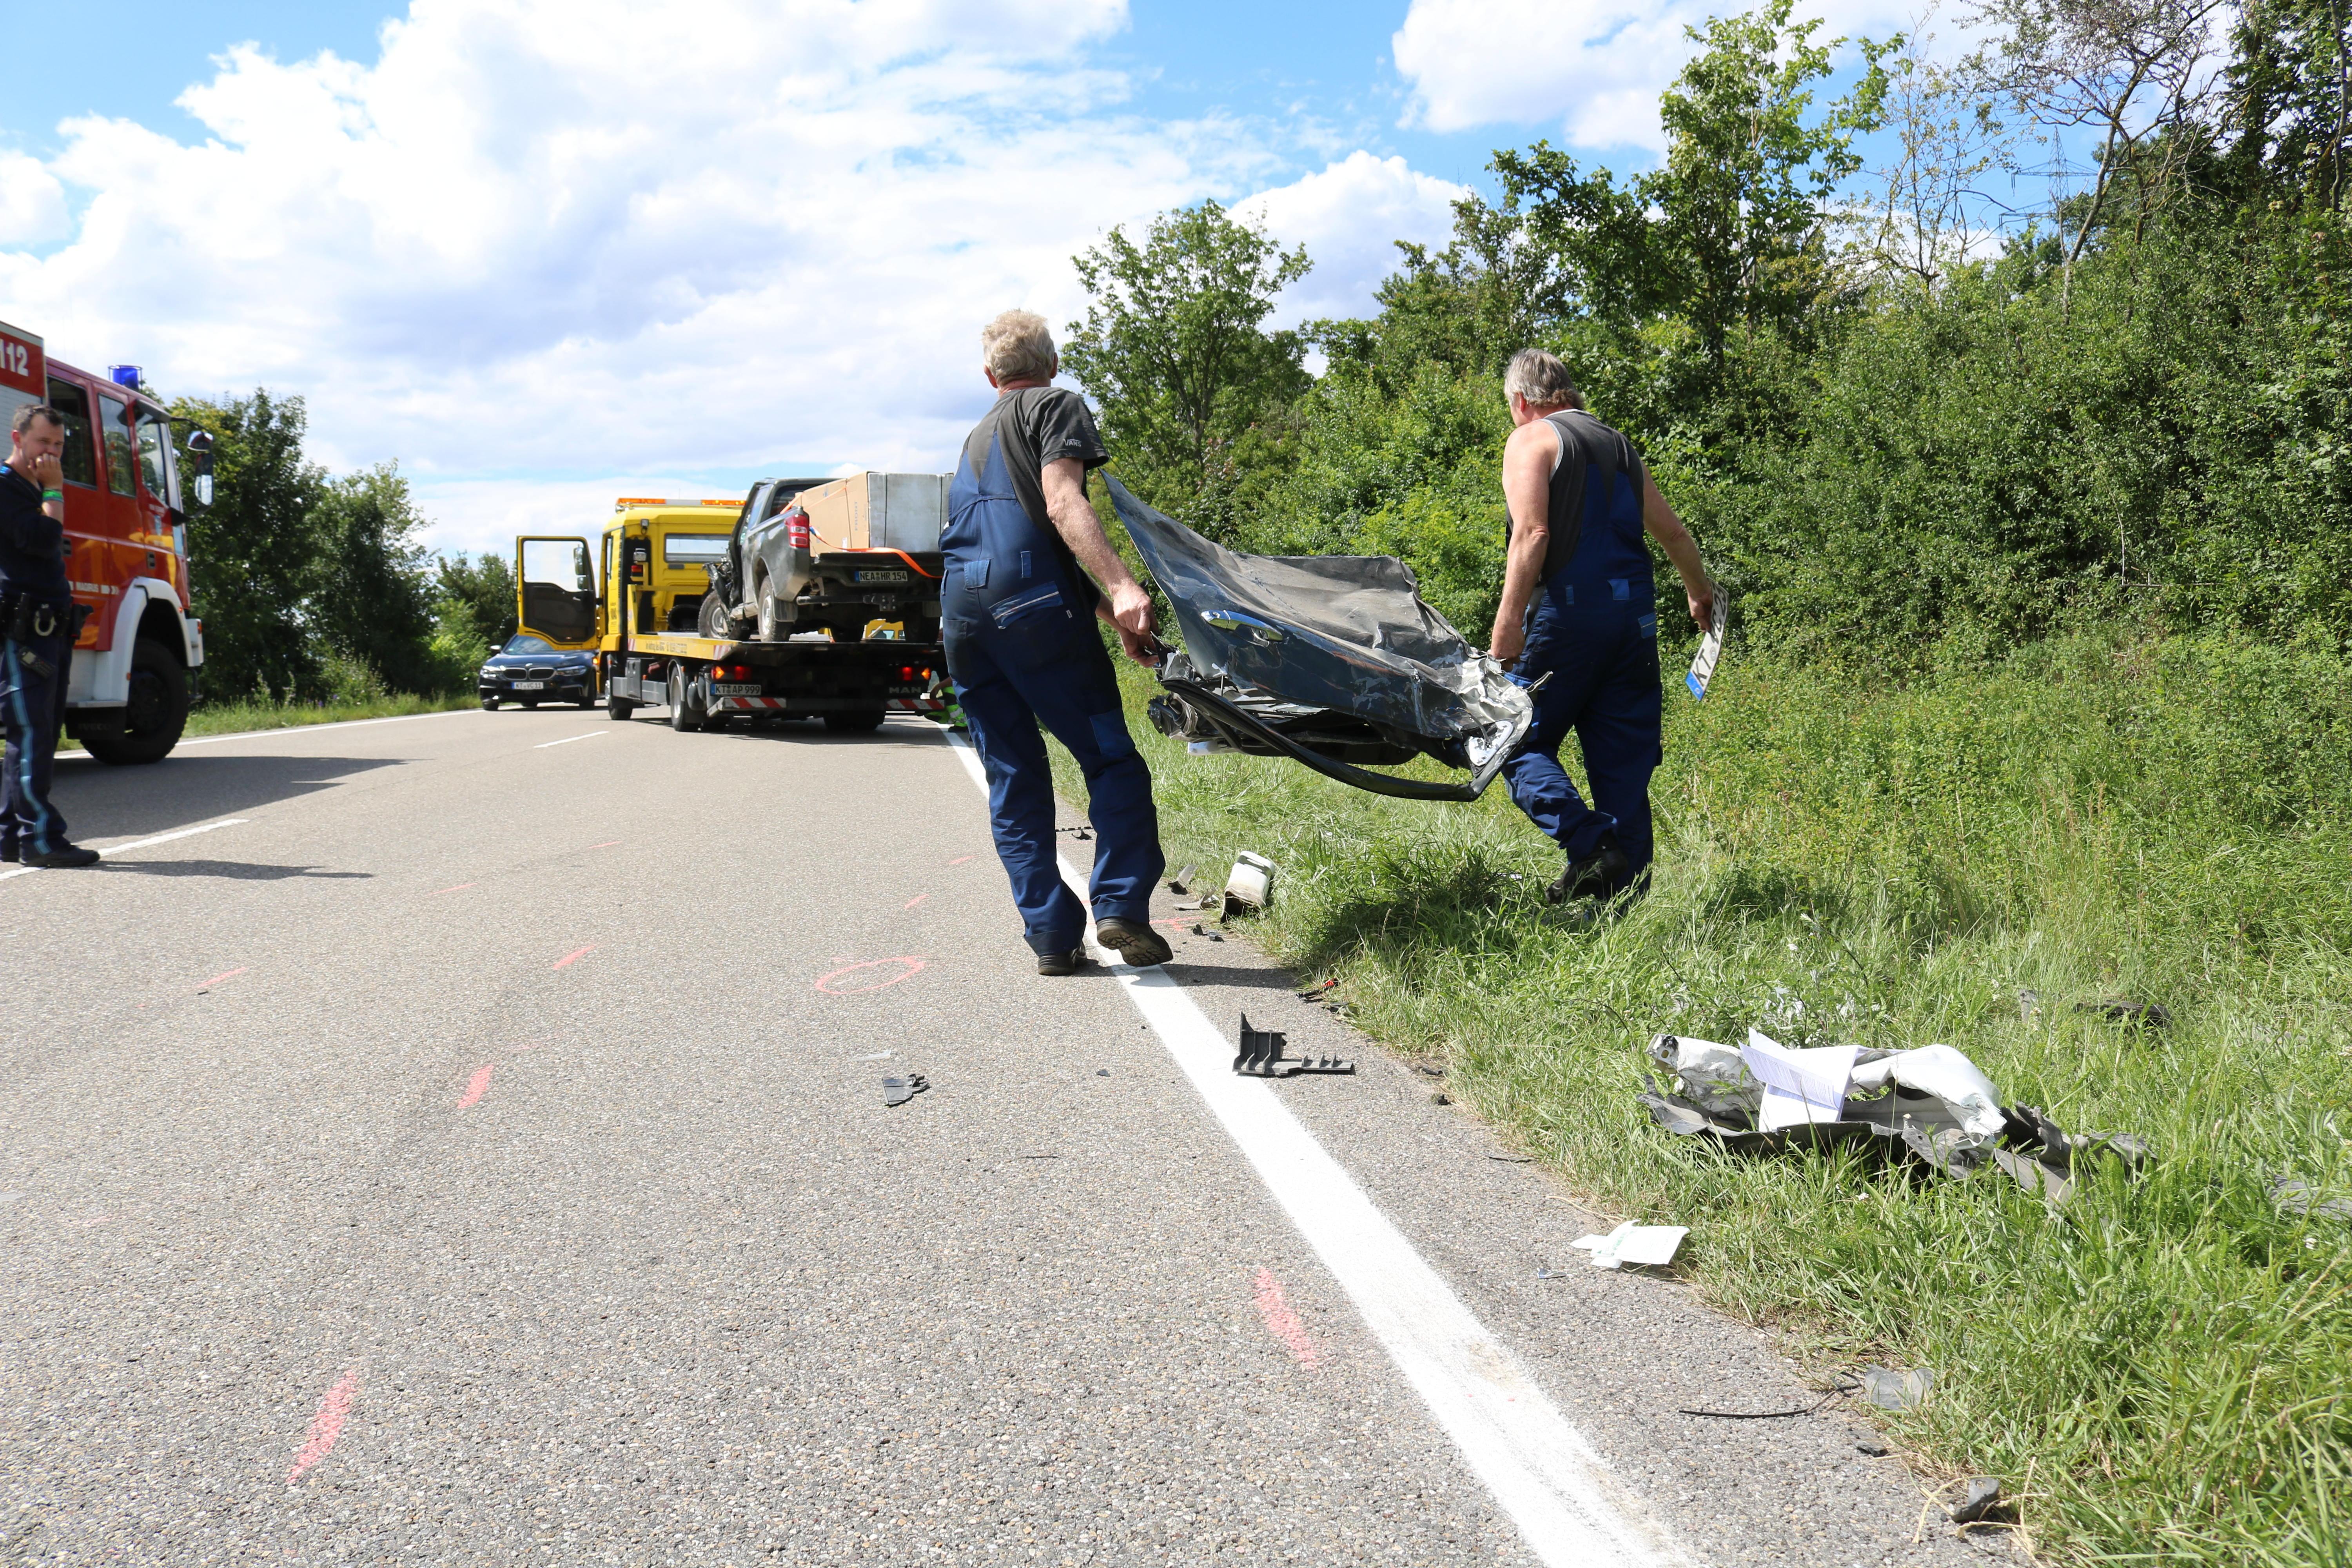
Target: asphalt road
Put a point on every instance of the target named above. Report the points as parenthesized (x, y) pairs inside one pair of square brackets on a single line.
[(470, 1147)]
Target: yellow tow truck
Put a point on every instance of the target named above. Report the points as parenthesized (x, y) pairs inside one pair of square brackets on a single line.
[(642, 602)]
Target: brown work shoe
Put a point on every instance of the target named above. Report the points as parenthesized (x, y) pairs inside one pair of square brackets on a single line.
[(1134, 943)]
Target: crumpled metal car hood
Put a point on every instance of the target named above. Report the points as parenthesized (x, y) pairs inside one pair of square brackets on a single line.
[(1295, 643)]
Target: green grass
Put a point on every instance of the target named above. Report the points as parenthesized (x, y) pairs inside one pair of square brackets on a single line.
[(236, 717), (2160, 1371)]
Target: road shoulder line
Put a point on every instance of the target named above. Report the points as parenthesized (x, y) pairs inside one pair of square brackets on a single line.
[(1569, 1508)]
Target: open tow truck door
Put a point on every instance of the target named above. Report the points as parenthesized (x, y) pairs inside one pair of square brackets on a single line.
[(555, 591)]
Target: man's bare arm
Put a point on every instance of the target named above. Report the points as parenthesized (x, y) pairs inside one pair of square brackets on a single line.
[(1127, 607), (1681, 549), (1527, 462)]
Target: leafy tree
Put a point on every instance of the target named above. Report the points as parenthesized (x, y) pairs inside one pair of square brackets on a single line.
[(485, 585), (1190, 388), (255, 550), (374, 598), (1734, 231)]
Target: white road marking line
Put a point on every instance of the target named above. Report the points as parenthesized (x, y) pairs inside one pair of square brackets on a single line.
[(1571, 1512), (585, 735), (311, 729), (137, 844)]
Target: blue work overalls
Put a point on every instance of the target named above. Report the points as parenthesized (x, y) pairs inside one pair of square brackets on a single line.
[(1593, 629), (1017, 616)]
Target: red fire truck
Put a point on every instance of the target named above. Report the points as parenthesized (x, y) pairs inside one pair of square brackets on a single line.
[(126, 530)]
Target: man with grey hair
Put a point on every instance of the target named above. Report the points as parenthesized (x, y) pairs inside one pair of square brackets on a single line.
[(1028, 571), (1578, 622)]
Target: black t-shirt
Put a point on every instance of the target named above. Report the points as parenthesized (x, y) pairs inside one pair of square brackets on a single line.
[(32, 546), (1037, 424)]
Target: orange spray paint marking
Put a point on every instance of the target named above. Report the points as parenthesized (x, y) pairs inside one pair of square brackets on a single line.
[(475, 1087), (459, 889), (606, 845), (826, 983), (917, 899), (1280, 1320), (570, 958), (959, 859), (230, 975), (328, 1423)]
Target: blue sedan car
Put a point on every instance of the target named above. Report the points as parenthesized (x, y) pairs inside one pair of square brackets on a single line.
[(527, 670)]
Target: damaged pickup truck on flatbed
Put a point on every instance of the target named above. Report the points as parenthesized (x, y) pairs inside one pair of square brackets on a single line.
[(798, 602)]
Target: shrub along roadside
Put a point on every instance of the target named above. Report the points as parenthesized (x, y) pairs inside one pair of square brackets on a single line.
[(2159, 1370)]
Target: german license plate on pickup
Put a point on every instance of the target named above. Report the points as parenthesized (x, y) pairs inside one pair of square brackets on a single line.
[(735, 689), (530, 685), (878, 577)]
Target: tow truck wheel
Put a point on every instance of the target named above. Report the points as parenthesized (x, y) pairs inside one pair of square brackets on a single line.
[(854, 723), (153, 717), (617, 706), (683, 714)]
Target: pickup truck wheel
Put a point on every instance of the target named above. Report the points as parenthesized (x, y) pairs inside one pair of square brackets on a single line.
[(153, 717), (685, 714), (771, 621), (854, 723)]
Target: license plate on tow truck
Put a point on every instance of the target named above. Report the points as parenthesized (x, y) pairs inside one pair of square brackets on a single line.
[(735, 689), (887, 576)]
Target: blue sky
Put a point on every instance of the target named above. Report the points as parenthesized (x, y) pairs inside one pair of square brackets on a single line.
[(543, 251)]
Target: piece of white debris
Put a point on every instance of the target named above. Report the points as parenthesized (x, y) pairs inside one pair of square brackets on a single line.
[(1631, 1243)]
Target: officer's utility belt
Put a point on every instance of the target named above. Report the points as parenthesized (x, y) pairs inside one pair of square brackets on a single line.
[(24, 619)]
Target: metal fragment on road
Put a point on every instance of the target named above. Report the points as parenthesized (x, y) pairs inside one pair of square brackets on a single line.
[(1970, 1500), (898, 1090), (1176, 883), (1633, 1244), (1260, 1056)]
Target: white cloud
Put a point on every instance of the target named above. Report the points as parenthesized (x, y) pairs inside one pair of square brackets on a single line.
[(1350, 216), (615, 237), (1595, 69), (32, 202)]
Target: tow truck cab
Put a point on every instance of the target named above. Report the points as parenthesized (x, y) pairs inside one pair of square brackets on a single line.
[(635, 601), (134, 663)]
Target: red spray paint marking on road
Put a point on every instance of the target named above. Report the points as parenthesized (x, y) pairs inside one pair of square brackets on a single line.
[(230, 975), (1283, 1323), (475, 1087), (826, 981), (959, 859), (459, 889), (575, 957), (917, 899), (328, 1423)]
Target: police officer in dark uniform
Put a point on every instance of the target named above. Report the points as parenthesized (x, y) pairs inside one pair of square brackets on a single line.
[(37, 636), (1024, 555), (1578, 606)]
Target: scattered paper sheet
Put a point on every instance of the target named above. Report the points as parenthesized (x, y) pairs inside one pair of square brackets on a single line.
[(1631, 1243), (1798, 1086)]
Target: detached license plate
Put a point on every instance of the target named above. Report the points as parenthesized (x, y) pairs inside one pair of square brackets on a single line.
[(530, 685), (878, 577), (735, 689)]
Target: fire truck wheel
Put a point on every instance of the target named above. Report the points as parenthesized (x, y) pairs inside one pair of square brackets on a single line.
[(153, 718), (854, 723)]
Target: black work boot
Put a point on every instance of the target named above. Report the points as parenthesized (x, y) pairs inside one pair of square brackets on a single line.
[(1133, 941), (1061, 962), (1596, 876)]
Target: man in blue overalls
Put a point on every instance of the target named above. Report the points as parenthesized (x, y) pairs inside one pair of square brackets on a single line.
[(36, 635), (1018, 615), (1578, 609)]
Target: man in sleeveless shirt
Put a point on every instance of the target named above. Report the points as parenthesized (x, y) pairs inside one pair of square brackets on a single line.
[(1019, 601), (1579, 608)]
